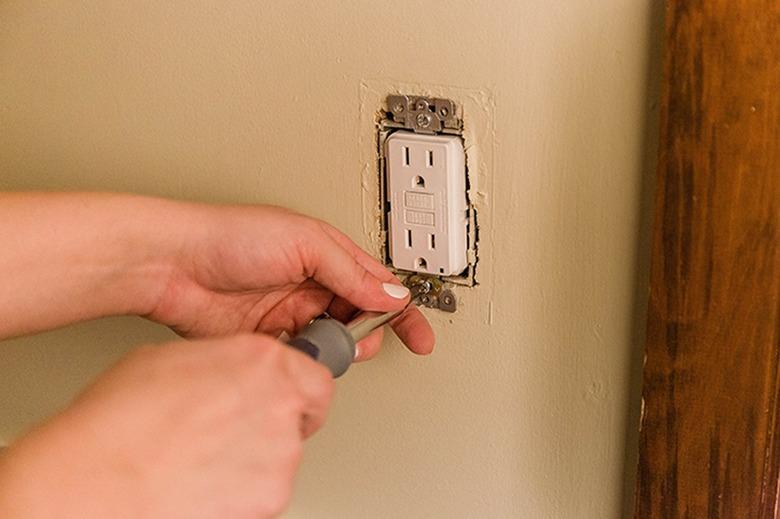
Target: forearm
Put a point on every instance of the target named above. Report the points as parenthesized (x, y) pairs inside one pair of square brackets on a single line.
[(56, 471), (66, 258)]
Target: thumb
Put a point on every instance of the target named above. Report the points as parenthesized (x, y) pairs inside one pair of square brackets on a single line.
[(337, 270)]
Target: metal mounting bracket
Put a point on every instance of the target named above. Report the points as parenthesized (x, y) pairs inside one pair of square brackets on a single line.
[(437, 296), (423, 114)]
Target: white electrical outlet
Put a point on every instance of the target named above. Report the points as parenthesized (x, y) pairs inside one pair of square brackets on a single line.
[(426, 188)]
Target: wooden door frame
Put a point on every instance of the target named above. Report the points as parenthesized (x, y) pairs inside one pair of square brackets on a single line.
[(709, 427)]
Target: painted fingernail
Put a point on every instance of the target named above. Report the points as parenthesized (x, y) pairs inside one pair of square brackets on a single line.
[(396, 291)]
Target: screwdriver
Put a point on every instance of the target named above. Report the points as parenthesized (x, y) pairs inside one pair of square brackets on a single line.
[(332, 343)]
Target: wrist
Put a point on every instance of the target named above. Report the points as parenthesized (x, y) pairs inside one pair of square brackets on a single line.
[(144, 253), (164, 246)]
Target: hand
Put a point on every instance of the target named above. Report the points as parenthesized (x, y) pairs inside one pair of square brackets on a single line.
[(203, 270), (203, 429), (245, 269)]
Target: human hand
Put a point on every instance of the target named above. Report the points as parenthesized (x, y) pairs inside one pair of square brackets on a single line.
[(203, 270), (266, 269), (211, 428)]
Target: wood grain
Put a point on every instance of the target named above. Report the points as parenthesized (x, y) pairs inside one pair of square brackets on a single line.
[(710, 423)]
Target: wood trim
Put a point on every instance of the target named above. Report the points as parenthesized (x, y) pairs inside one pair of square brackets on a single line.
[(710, 421)]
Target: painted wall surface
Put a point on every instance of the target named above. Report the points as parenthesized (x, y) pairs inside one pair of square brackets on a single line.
[(523, 410)]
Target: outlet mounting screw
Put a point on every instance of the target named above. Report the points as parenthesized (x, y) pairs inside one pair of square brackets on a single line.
[(423, 120), (447, 301)]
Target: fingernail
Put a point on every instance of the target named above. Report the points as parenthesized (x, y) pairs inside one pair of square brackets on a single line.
[(357, 352), (396, 291)]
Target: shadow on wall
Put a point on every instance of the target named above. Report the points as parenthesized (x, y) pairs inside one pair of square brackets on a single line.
[(650, 142)]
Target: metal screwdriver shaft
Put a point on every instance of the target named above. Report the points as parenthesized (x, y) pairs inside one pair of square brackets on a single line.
[(366, 322), (332, 343)]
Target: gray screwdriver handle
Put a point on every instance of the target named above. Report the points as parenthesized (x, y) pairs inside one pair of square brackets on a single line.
[(328, 342)]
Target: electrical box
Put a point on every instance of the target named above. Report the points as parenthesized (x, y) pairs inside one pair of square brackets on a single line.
[(428, 209)]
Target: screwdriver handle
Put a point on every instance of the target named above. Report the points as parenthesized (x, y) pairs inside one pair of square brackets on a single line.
[(328, 342)]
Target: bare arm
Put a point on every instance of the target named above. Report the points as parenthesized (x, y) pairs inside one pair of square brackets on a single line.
[(202, 270), (72, 257), (208, 428)]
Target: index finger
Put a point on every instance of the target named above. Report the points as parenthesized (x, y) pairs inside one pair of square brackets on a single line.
[(350, 274), (363, 258)]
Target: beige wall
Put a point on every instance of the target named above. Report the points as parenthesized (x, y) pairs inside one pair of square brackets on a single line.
[(522, 411)]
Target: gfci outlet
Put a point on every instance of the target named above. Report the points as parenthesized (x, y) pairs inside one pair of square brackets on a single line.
[(428, 214)]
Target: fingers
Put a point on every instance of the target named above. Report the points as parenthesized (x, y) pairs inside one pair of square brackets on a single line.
[(412, 327), (361, 282), (414, 330), (351, 274), (279, 382), (342, 309), (370, 346), (296, 310), (292, 379), (315, 385), (362, 257)]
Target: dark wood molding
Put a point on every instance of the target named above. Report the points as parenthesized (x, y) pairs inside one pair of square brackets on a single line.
[(710, 422)]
